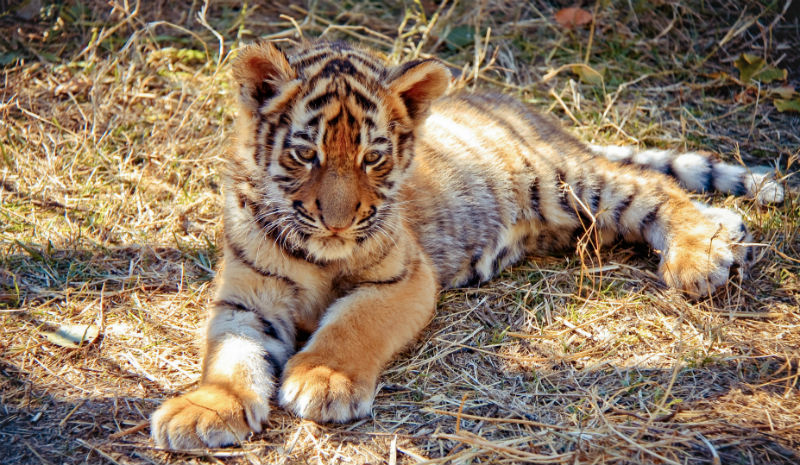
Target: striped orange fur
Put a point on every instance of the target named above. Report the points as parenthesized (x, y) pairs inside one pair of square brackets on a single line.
[(358, 190)]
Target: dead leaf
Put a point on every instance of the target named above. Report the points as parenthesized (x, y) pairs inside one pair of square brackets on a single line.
[(570, 18), (784, 92), (752, 67), (769, 74), (73, 336), (787, 105), (588, 74)]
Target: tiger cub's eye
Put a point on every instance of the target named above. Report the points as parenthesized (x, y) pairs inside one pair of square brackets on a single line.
[(370, 158), (306, 155)]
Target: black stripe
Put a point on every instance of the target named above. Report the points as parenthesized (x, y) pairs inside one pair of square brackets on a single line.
[(275, 365), (351, 121), (409, 269), (749, 256), (258, 154), (232, 305), (498, 259), (535, 196), (407, 66), (300, 210), (623, 206), (474, 280), (314, 121), (563, 194), (475, 276), (376, 68), (304, 135), (320, 101), (708, 180), (741, 185), (264, 91), (742, 231), (267, 327), (364, 101), (404, 139), (304, 61), (336, 67), (241, 256), (269, 141), (287, 184), (649, 218), (577, 189), (372, 211), (243, 199), (384, 282), (668, 169), (339, 66), (594, 197)]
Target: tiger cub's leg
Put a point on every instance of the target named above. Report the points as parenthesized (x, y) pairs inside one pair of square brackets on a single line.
[(697, 248), (333, 378), (249, 337)]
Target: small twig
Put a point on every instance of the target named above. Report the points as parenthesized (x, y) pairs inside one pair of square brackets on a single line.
[(71, 412), (460, 412), (591, 32), (578, 330), (201, 17), (714, 455), (95, 449), (393, 451), (131, 430), (564, 107)]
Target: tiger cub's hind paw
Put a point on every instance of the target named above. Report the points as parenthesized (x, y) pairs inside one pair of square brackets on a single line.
[(211, 416), (699, 261), (739, 237), (699, 267)]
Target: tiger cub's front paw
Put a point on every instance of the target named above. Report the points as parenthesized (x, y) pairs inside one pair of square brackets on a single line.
[(211, 416), (698, 264), (314, 389)]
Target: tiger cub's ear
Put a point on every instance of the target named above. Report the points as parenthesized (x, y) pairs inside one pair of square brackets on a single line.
[(260, 70), (417, 84)]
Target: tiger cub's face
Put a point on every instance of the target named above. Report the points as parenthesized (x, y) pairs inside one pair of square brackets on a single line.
[(327, 139)]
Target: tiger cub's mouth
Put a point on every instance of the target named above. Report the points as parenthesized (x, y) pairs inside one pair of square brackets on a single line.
[(331, 247)]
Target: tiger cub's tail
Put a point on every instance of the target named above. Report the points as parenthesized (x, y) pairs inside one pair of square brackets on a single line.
[(700, 172)]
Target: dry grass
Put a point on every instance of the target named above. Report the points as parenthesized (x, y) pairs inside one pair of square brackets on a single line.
[(115, 116)]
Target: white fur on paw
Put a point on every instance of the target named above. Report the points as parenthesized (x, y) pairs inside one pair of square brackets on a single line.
[(325, 395)]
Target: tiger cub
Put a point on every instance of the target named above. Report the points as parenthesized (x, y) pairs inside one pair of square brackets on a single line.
[(357, 191)]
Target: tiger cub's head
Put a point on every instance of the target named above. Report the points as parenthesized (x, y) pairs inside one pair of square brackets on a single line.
[(326, 139)]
